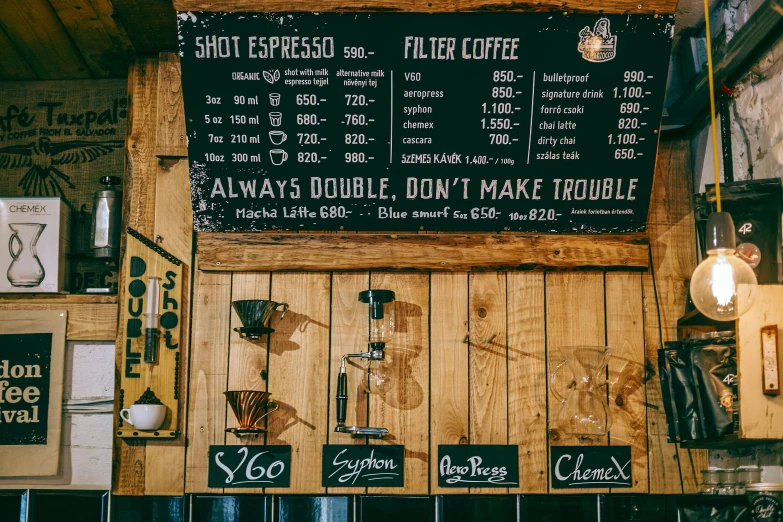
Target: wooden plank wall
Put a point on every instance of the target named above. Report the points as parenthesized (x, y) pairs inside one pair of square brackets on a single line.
[(471, 355)]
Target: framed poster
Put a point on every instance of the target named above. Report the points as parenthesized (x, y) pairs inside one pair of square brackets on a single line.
[(32, 348)]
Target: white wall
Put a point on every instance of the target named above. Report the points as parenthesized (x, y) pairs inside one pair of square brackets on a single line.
[(85, 455)]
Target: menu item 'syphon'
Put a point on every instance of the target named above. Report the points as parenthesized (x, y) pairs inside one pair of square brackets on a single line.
[(417, 121)]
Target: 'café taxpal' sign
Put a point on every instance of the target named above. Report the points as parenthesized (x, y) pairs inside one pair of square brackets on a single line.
[(591, 466)]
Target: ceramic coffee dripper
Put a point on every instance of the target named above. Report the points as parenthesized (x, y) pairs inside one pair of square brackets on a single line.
[(255, 315), (250, 408), (144, 417)]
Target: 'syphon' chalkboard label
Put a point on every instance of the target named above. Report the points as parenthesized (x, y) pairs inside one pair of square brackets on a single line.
[(484, 466), (249, 466), (25, 364), (591, 466), (411, 121), (354, 465)]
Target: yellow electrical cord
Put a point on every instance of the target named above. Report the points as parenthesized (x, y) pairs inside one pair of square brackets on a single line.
[(712, 105)]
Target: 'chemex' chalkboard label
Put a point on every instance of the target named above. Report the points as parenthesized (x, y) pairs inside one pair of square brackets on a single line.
[(249, 466), (484, 466), (354, 465), (25, 364), (418, 121), (591, 466)]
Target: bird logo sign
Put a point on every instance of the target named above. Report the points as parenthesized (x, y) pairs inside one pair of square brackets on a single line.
[(43, 159)]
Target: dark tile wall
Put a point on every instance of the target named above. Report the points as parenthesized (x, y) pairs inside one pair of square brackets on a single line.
[(12, 506), (56, 506)]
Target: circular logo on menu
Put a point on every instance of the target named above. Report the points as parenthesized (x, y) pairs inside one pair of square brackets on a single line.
[(767, 508), (746, 228), (749, 253)]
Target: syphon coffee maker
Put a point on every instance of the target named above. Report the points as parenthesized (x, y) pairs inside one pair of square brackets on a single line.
[(376, 380)]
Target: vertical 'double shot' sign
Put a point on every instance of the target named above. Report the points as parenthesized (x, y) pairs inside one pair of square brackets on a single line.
[(32, 347), (150, 340)]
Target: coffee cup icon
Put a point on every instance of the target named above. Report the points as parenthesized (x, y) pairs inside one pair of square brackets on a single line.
[(277, 137), (274, 99), (278, 156), (276, 118)]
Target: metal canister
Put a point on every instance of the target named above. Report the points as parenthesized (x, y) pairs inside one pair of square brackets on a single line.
[(766, 501), (106, 219)]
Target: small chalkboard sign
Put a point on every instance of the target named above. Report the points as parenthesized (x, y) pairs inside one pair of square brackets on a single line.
[(486, 466), (591, 466), (353, 465), (249, 466)]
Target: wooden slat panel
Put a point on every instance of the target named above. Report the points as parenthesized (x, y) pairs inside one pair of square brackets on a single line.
[(488, 364), (246, 359), (208, 375), (671, 229), (151, 24), (627, 401), (102, 41), (13, 66), (39, 36), (574, 317), (404, 410), (171, 139), (527, 379), (349, 335), (449, 422), (142, 165), (450, 252), (298, 375), (86, 322), (616, 6)]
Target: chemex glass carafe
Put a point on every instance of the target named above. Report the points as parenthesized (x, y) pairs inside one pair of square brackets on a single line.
[(584, 412), (26, 269)]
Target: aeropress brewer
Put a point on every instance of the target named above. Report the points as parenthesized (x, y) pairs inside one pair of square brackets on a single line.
[(381, 328)]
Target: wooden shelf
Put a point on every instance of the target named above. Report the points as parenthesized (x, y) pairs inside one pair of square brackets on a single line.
[(91, 317), (727, 442)]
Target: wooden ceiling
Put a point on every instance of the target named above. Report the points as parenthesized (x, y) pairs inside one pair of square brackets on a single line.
[(73, 39)]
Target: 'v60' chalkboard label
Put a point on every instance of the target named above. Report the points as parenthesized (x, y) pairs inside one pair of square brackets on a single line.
[(249, 466), (485, 466), (591, 466), (373, 466)]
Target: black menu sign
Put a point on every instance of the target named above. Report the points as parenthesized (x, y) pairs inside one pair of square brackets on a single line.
[(412, 121), (484, 465), (249, 466), (376, 465), (591, 467)]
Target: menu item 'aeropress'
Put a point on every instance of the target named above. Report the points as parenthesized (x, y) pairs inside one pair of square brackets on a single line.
[(381, 328)]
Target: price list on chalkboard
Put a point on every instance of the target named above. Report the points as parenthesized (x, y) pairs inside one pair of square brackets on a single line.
[(539, 122)]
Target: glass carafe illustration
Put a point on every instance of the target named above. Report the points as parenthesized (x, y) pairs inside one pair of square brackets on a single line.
[(584, 412), (26, 270)]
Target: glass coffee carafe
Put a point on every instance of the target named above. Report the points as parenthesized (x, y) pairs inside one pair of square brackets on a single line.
[(26, 270), (583, 412)]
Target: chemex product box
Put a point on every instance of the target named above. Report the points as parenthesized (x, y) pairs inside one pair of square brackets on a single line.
[(34, 241)]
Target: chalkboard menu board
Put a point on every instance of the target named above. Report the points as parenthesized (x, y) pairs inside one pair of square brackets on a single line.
[(541, 122)]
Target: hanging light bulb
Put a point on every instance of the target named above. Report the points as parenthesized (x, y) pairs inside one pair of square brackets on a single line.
[(715, 285)]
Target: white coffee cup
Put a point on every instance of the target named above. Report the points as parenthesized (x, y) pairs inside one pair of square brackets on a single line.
[(278, 156), (144, 416)]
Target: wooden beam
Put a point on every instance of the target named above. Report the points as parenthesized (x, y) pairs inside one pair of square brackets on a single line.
[(102, 40), (151, 24), (39, 36), (448, 252), (13, 66), (90, 317), (430, 6)]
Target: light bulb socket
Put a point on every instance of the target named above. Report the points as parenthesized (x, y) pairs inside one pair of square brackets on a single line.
[(720, 232)]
